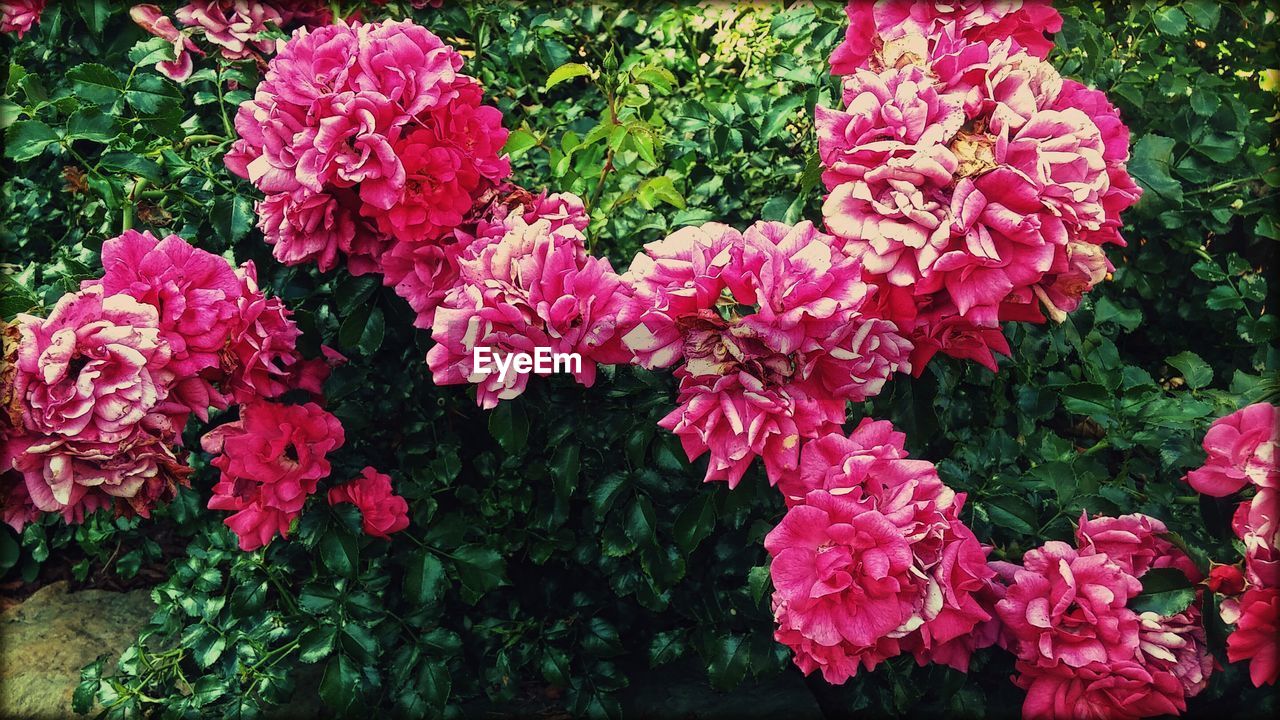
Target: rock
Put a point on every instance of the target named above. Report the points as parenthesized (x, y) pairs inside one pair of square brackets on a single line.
[(54, 633)]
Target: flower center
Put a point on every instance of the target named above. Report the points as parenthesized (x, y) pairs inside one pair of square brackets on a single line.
[(974, 148), (76, 365)]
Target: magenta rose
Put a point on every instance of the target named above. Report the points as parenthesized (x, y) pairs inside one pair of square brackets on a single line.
[(1121, 690), (1241, 450), (194, 291), (381, 510), (271, 460), (92, 369), (1256, 616), (865, 572), (1071, 608), (17, 16)]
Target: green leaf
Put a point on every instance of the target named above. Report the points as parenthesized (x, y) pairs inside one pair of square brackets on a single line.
[(339, 686), (1012, 512), (315, 644), (1195, 371), (640, 521), (1205, 13), (518, 142), (667, 646), (435, 683), (1170, 21), (509, 425), (95, 13), (601, 638), (759, 582), (91, 124), (1150, 165), (424, 581), (657, 77), (364, 329), (1224, 297), (353, 292), (555, 666), (565, 72), (339, 552), (95, 83), (605, 491), (778, 115), (9, 113), (1087, 399), (695, 522), (564, 469), (1107, 310), (26, 139), (659, 188), (728, 661), (152, 95), (480, 569), (231, 217), (1165, 591), (151, 51), (133, 164)]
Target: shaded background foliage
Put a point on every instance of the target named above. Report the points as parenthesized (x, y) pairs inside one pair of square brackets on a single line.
[(561, 547)]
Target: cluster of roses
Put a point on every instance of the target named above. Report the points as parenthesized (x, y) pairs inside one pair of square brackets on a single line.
[(237, 28), (771, 331), (972, 181), (18, 16), (1082, 650), (1244, 451), (370, 144), (271, 461), (525, 281), (872, 560), (98, 393)]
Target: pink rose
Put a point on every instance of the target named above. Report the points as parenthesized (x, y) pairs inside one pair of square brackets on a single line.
[(17, 16), (382, 511), (152, 19), (271, 460), (1176, 644), (1257, 524), (448, 165), (1134, 542), (194, 291), (408, 64), (261, 356), (737, 417), (1122, 690), (92, 370), (314, 229), (1241, 450), (676, 277), (864, 572), (75, 476), (535, 288), (870, 23), (233, 25), (1070, 608), (771, 329), (1257, 621)]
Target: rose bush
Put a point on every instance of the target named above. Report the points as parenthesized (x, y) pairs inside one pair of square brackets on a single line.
[(345, 203)]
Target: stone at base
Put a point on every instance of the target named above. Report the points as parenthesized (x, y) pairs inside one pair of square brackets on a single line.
[(46, 639)]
